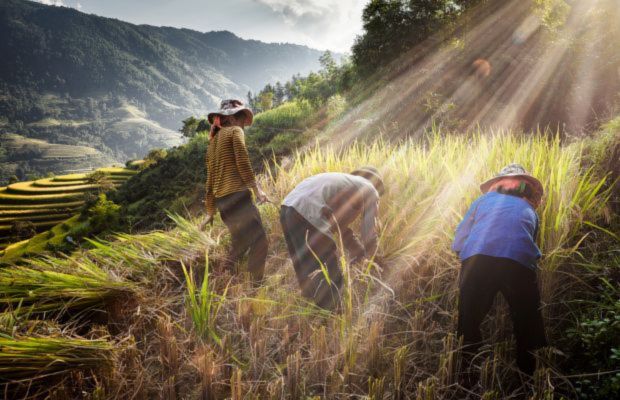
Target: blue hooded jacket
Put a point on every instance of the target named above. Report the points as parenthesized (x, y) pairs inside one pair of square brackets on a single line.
[(499, 225)]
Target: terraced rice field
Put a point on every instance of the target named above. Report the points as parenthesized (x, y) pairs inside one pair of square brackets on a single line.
[(47, 202)]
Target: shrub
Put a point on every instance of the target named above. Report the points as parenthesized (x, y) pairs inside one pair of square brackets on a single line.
[(153, 157), (21, 230), (292, 114), (336, 105), (96, 177), (104, 214)]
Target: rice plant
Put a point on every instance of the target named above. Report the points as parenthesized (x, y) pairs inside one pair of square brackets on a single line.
[(395, 335), (203, 305), (430, 187), (41, 357), (54, 285)]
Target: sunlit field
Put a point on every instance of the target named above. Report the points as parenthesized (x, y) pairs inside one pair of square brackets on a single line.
[(34, 206), (178, 326)]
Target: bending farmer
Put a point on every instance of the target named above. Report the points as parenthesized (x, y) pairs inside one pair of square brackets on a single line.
[(230, 181), (496, 244), (323, 205)]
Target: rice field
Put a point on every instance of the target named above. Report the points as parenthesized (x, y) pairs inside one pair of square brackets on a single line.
[(43, 203), (179, 326)]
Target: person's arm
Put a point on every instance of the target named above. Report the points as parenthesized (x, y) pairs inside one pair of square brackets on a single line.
[(369, 223), (536, 233), (244, 166), (352, 245), (210, 196), (464, 228)]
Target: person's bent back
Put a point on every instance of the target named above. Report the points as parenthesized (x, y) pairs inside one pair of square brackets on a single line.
[(319, 207), (496, 242)]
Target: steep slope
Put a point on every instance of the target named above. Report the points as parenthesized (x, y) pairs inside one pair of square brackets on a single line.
[(72, 78), (171, 333)]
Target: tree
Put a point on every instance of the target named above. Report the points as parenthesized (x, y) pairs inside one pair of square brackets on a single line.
[(328, 64), (251, 104), (189, 127), (391, 27), (193, 125), (266, 101), (278, 94)]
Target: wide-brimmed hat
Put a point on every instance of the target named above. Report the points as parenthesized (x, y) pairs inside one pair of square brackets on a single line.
[(232, 107), (516, 171), (373, 175)]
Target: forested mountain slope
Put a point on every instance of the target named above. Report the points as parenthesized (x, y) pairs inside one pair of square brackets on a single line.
[(72, 78)]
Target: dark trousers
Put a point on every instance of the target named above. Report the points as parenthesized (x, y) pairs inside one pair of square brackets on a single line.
[(246, 228), (480, 279), (310, 248)]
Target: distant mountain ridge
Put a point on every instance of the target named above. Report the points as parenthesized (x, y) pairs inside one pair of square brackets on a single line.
[(118, 87)]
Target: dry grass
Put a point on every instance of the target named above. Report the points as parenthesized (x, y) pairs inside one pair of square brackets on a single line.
[(209, 337)]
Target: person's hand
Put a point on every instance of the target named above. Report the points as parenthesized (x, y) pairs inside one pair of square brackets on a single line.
[(208, 220), (261, 197)]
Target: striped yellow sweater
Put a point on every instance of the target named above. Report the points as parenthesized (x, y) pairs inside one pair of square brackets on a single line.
[(228, 166)]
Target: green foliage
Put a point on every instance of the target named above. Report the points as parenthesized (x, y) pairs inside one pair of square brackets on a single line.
[(192, 126), (265, 101), (153, 157), (316, 87), (97, 177), (146, 197), (392, 27), (336, 105), (202, 303), (553, 13), (594, 340), (104, 214), (292, 114)]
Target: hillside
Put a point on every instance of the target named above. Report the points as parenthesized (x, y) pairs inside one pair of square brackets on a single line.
[(76, 79), (29, 207), (152, 310)]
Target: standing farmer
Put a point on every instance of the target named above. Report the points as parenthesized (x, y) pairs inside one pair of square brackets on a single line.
[(496, 244), (230, 183), (319, 207)]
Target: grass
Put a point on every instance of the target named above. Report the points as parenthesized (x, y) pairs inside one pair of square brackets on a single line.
[(28, 187), (395, 336), (32, 212), (44, 285), (203, 304), (39, 243), (9, 198), (291, 114), (52, 182), (440, 180), (17, 207), (33, 218), (51, 356)]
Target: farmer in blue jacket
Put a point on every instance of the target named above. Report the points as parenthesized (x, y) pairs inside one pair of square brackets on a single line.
[(496, 242)]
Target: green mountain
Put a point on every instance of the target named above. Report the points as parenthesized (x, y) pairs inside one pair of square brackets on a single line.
[(76, 79)]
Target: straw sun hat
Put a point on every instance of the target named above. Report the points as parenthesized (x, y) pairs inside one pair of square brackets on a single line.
[(516, 171), (232, 107), (373, 175)]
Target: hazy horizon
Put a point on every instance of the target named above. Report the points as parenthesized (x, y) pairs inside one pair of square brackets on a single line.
[(320, 24)]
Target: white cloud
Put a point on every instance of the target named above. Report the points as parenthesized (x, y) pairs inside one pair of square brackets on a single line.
[(52, 2), (325, 23)]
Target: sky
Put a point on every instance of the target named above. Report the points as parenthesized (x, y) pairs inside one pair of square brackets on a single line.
[(321, 24)]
